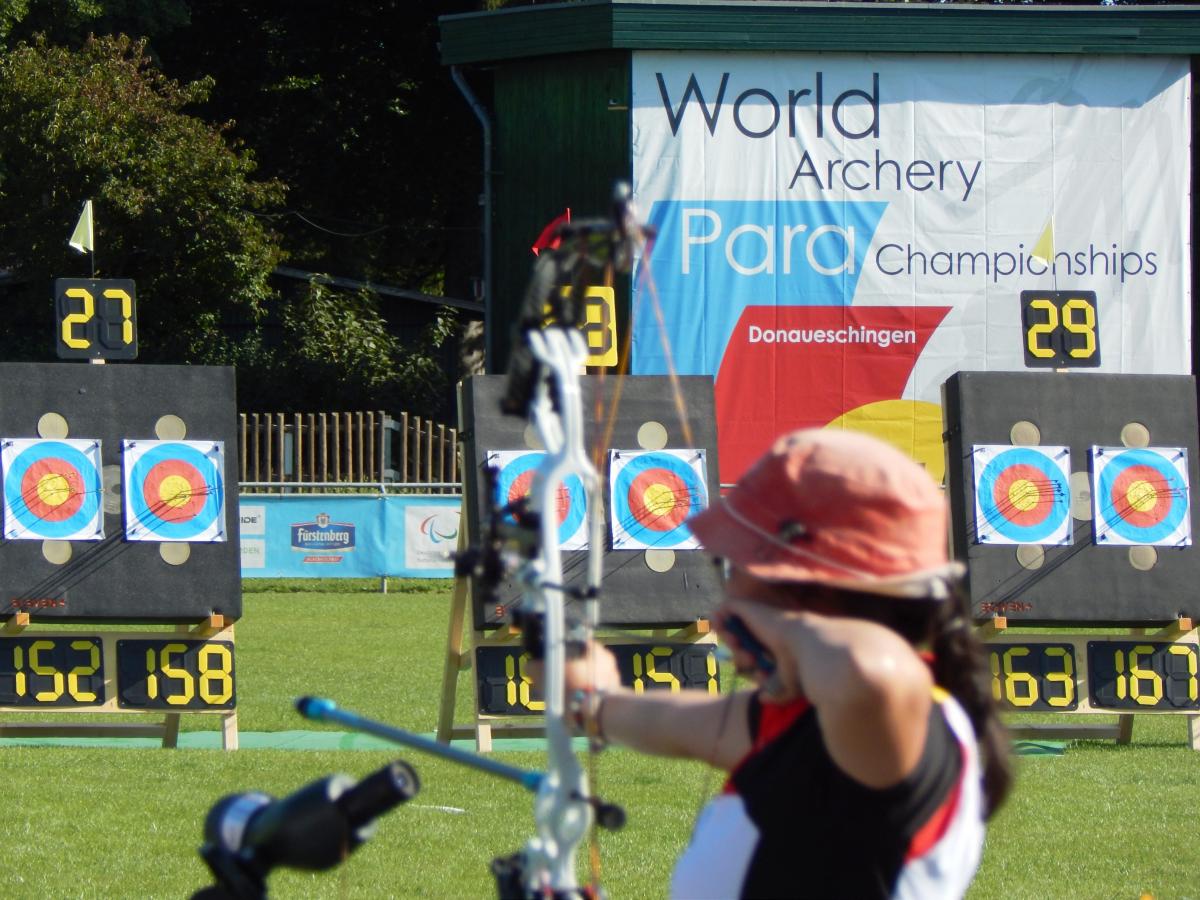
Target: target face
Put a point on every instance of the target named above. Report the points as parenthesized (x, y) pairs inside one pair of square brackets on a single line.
[(174, 491), (1141, 496), (1022, 494), (654, 492), (52, 490), (515, 479)]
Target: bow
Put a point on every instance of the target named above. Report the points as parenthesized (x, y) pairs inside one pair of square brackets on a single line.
[(521, 539), (545, 385)]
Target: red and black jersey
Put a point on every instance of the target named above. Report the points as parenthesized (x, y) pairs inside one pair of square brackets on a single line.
[(790, 823)]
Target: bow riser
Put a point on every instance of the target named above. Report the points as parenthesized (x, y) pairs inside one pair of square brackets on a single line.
[(561, 811)]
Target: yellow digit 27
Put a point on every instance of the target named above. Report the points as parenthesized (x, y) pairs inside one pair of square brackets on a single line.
[(77, 341), (78, 318)]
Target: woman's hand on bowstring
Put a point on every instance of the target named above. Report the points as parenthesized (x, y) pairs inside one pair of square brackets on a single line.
[(594, 669), (762, 640)]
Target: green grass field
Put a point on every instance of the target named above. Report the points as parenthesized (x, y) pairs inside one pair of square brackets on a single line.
[(1097, 821)]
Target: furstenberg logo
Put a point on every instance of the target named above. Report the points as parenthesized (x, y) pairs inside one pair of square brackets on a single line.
[(322, 534)]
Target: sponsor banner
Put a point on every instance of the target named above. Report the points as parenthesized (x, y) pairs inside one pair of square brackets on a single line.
[(430, 532), (839, 233), (254, 553), (348, 536)]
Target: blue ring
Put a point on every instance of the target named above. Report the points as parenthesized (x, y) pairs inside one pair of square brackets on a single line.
[(998, 520), (209, 472), (623, 513), (576, 496), (1140, 534), (44, 528)]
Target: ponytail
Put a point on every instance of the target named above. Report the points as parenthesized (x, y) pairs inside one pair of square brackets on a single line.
[(959, 666)]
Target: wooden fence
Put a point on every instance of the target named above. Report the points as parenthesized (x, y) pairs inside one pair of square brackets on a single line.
[(355, 447)]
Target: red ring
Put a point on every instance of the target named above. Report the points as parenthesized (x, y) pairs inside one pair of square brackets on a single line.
[(52, 465), (659, 519), (1120, 496), (521, 485), (1035, 476), (152, 485)]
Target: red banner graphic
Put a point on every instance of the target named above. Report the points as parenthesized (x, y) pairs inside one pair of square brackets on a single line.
[(788, 367)]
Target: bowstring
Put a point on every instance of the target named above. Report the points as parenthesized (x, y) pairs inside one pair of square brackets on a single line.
[(645, 279)]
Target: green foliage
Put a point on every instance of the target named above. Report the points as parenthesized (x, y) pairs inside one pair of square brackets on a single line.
[(351, 107), (336, 345), (71, 22), (173, 202)]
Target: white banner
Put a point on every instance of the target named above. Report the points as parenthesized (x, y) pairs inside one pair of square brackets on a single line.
[(838, 234)]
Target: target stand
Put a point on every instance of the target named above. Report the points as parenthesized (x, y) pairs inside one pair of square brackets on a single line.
[(102, 671), (657, 590), (116, 517), (504, 701), (1070, 506), (1151, 671)]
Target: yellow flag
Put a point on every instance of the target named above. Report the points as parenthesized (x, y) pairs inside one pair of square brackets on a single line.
[(81, 237), (1044, 249)]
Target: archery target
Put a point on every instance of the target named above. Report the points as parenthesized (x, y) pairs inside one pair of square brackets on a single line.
[(515, 479), (653, 494), (1022, 494), (52, 489), (174, 491), (1141, 496)]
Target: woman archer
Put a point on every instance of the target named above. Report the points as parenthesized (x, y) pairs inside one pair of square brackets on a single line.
[(869, 756)]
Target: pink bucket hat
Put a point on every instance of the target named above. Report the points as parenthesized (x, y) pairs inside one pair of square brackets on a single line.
[(839, 508)]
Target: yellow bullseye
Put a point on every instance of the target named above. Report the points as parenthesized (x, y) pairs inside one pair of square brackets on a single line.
[(1023, 494), (53, 489), (174, 491), (658, 499), (1141, 496)]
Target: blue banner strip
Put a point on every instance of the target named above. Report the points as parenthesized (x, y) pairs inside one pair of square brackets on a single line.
[(348, 535)]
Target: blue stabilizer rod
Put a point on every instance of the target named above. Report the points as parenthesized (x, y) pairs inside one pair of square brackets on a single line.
[(321, 710)]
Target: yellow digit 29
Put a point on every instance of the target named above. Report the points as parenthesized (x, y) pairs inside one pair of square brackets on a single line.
[(1038, 329), (1078, 317)]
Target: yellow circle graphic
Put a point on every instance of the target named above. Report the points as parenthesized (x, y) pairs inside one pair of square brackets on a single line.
[(1023, 494), (53, 489), (1141, 496), (658, 499), (914, 426), (175, 491)]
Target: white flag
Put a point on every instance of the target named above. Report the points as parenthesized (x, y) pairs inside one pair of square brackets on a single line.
[(81, 237)]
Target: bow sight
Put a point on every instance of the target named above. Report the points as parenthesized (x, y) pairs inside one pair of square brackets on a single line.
[(588, 251)]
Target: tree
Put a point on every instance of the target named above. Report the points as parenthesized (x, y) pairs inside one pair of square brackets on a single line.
[(350, 106), (175, 202)]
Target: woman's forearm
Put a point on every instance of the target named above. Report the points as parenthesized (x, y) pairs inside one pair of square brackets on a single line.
[(691, 724)]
